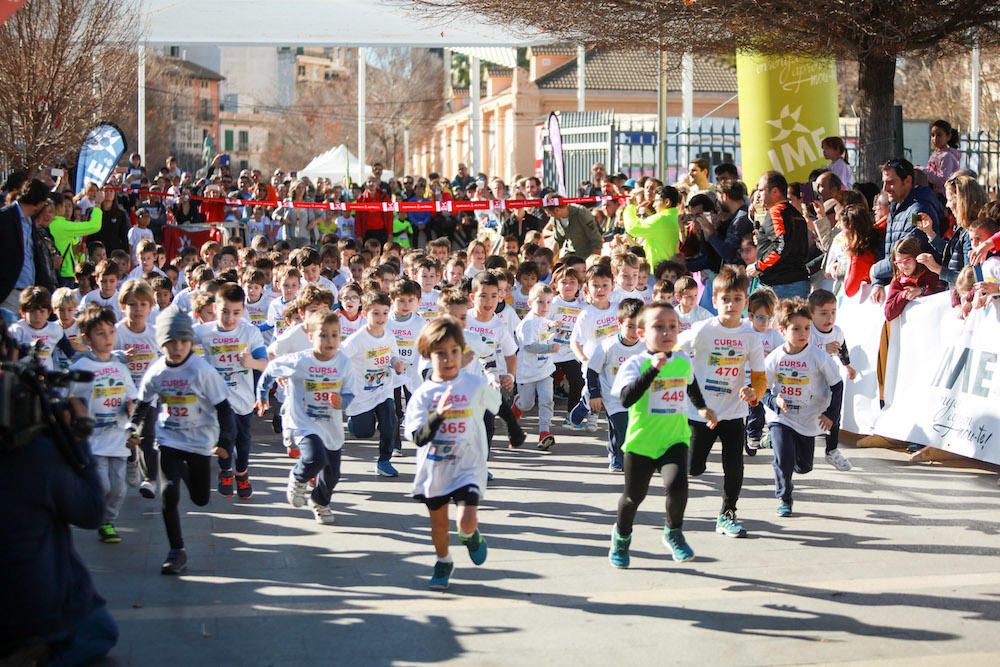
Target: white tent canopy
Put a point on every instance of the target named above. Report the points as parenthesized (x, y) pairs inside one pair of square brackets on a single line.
[(321, 23), (337, 163)]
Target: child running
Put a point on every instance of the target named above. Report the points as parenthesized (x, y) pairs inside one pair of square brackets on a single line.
[(534, 362), (803, 398), (654, 386), (827, 336), (318, 389), (445, 419)]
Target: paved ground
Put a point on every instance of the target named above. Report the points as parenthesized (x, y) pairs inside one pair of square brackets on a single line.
[(890, 562)]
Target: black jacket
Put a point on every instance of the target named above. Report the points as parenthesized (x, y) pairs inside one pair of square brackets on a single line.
[(12, 252), (114, 230), (520, 228), (783, 246)]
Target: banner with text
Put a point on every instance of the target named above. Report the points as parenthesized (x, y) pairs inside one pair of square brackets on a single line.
[(788, 104)]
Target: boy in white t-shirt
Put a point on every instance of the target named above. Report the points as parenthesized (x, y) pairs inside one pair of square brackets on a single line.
[(288, 280), (145, 250), (106, 295), (598, 320), (827, 336), (722, 349), (319, 387), (109, 399), (761, 306), (446, 420), (36, 331), (428, 274), (375, 358), (534, 361), (258, 302), (234, 348), (688, 310), (525, 278), (138, 233), (405, 324), (195, 420), (65, 304), (626, 269), (136, 338), (803, 398)]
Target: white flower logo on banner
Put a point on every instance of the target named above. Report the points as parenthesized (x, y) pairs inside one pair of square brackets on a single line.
[(785, 119)]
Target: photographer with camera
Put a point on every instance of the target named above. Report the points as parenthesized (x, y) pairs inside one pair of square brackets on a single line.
[(48, 482)]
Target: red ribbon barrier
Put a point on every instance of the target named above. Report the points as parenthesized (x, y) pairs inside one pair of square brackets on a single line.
[(447, 206)]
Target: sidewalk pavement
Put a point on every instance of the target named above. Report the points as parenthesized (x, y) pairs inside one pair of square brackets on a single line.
[(890, 563)]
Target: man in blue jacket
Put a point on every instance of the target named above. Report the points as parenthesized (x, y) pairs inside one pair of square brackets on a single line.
[(906, 200)]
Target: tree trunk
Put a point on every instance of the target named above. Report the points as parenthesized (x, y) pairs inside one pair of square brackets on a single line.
[(876, 96)]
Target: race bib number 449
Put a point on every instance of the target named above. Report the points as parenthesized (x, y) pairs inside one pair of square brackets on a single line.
[(667, 396)]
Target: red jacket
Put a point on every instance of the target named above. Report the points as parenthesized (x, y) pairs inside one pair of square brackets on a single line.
[(858, 272), (896, 301), (365, 221)]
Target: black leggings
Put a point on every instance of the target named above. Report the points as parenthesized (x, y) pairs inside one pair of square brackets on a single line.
[(733, 434), (638, 473), (195, 470), (574, 377)]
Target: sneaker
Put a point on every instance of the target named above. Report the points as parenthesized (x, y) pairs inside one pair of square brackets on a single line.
[(765, 442), (517, 438), (243, 488), (489, 476), (546, 440), (397, 452), (784, 509), (578, 414), (476, 544), (592, 422), (568, 424), (323, 514), (753, 444), (293, 452), (615, 467), (296, 491), (385, 469), (618, 553), (516, 411), (442, 574), (147, 489), (674, 540), (226, 483), (837, 459), (108, 534), (727, 524), (132, 474), (276, 422), (176, 562)]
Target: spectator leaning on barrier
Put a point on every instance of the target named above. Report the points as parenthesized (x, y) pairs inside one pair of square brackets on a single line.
[(23, 259), (906, 200), (575, 232), (782, 241)]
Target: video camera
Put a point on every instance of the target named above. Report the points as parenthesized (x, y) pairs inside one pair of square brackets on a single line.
[(34, 402)]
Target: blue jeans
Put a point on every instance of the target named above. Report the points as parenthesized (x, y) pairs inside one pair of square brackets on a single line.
[(793, 452), (755, 422), (242, 444), (319, 462), (91, 639), (363, 426), (617, 426), (789, 290)]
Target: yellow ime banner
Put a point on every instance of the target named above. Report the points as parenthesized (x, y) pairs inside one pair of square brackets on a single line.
[(788, 104)]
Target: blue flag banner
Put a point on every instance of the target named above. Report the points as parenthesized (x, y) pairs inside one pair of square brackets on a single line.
[(99, 154)]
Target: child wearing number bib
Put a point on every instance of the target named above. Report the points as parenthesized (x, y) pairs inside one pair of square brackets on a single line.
[(137, 338), (446, 420), (803, 398), (319, 387), (195, 421), (405, 324), (654, 387), (375, 360)]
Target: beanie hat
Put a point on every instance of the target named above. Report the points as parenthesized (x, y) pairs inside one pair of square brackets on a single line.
[(173, 324)]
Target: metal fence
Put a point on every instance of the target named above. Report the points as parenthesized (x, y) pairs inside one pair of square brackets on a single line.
[(627, 143)]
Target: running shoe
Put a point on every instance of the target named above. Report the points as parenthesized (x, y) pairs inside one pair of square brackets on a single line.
[(296, 491), (108, 534), (226, 483), (546, 440), (727, 524), (784, 509), (442, 575), (323, 514), (765, 441), (489, 476), (386, 469), (397, 452), (615, 467), (751, 447), (517, 438), (147, 489), (567, 423), (293, 452), (132, 474), (476, 544), (592, 422), (674, 540), (243, 488), (578, 414), (837, 459), (618, 553), (176, 562)]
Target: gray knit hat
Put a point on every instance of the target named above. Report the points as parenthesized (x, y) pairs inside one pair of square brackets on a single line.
[(173, 324)]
